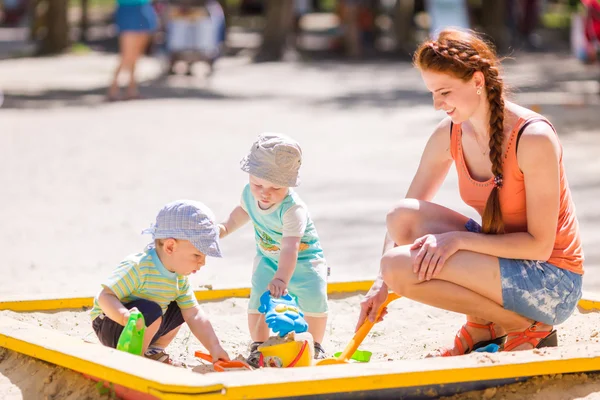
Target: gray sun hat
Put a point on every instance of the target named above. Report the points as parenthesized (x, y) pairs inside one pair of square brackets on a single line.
[(188, 220), (275, 158)]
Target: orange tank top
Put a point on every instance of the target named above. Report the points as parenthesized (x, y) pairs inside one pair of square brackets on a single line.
[(567, 252)]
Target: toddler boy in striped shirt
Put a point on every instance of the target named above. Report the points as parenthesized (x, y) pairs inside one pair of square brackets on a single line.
[(156, 283)]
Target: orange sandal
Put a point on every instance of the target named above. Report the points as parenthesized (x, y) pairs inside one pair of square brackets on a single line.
[(470, 345), (533, 337)]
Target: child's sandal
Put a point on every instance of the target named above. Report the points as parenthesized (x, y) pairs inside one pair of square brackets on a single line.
[(254, 357), (470, 345), (531, 335), (165, 358)]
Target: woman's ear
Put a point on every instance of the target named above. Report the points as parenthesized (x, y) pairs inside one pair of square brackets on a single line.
[(478, 79)]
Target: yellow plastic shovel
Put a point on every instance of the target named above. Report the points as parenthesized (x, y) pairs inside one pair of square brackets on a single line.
[(358, 336)]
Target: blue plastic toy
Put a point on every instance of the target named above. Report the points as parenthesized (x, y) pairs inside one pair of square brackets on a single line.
[(490, 348), (282, 315)]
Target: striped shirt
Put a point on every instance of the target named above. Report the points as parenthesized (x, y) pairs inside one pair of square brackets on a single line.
[(143, 276)]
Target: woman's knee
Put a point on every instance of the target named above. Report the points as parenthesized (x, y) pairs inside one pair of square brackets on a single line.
[(402, 220), (397, 271)]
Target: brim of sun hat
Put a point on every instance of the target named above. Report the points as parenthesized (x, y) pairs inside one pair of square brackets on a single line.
[(270, 174), (207, 241), (212, 250)]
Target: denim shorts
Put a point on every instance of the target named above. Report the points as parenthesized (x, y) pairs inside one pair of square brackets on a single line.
[(109, 331), (535, 289), (136, 18), (308, 284)]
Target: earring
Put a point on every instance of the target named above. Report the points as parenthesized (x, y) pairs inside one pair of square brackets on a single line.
[(479, 91)]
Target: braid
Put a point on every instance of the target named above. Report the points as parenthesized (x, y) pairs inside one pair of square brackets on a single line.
[(462, 54), (492, 216)]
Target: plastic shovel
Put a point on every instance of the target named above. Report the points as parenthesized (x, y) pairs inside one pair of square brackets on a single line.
[(132, 339), (358, 336), (222, 365)]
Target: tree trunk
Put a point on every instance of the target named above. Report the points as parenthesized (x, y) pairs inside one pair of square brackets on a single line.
[(278, 25), (85, 22), (56, 27), (404, 27), (493, 21), (352, 33)]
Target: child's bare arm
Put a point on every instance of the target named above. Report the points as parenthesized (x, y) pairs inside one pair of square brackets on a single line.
[(112, 306), (203, 330), (236, 220), (287, 263)]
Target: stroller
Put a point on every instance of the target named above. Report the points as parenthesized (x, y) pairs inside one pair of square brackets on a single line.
[(195, 31)]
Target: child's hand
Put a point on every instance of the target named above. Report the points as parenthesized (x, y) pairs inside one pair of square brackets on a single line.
[(222, 231), (277, 287), (218, 353), (139, 324)]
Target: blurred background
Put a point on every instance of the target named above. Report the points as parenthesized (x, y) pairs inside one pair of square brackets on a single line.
[(354, 28), (89, 154)]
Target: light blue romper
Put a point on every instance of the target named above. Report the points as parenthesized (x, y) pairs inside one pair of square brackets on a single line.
[(309, 281)]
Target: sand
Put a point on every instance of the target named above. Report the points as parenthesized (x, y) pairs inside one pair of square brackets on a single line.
[(394, 339), (22, 377)]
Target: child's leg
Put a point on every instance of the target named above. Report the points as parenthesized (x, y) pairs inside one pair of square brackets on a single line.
[(316, 327), (109, 331), (259, 331), (264, 270), (309, 285), (169, 327)]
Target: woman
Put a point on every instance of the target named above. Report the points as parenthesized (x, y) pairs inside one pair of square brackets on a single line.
[(136, 21), (592, 27), (520, 272)]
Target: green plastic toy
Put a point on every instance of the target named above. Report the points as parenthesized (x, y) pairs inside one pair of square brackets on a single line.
[(132, 339), (359, 355)]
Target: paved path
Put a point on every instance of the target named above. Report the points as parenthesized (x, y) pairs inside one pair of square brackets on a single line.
[(81, 178)]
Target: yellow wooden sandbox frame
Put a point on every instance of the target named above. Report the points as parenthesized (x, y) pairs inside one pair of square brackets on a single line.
[(398, 379)]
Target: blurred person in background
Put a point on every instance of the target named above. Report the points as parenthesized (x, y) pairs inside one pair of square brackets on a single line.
[(196, 31), (592, 23), (13, 11), (522, 20), (592, 28), (136, 21)]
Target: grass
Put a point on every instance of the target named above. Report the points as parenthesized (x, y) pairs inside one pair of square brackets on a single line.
[(80, 49), (556, 20)]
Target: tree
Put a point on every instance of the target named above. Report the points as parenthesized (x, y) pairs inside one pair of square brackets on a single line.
[(404, 27), (84, 22), (493, 17), (50, 26), (278, 25)]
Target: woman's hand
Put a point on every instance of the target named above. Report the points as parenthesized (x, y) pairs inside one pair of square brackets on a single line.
[(434, 251), (371, 303)]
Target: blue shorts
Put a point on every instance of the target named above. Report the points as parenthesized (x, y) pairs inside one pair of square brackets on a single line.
[(136, 18), (109, 331), (535, 289), (308, 284)]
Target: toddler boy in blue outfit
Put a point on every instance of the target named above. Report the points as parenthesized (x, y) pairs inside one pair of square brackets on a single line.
[(156, 283), (289, 256)]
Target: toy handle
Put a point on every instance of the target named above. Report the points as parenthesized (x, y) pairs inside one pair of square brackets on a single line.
[(204, 356), (364, 329)]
